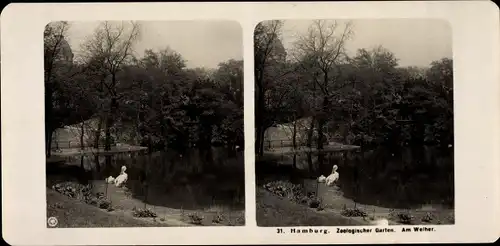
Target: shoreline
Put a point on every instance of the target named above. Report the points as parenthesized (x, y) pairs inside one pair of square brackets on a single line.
[(124, 205), (71, 152), (334, 208)]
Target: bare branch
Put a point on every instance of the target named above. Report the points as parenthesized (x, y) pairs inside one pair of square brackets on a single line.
[(322, 48)]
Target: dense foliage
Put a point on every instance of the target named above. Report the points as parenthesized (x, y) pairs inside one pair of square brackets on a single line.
[(153, 100), (366, 99)]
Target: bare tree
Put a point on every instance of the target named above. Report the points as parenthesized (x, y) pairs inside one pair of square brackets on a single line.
[(321, 52), (111, 48)]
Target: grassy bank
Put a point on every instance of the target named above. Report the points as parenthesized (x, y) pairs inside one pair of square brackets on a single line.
[(77, 206), (73, 213), (281, 203), (275, 211)]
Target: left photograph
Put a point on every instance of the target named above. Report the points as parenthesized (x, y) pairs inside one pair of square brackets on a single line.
[(144, 123)]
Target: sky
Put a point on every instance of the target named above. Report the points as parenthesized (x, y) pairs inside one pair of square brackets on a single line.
[(201, 43), (415, 42)]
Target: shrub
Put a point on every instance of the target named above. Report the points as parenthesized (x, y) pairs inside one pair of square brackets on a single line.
[(73, 190), (314, 203), (104, 204), (353, 212), (56, 205), (428, 217), (195, 219), (405, 218), (294, 192), (143, 213), (217, 218)]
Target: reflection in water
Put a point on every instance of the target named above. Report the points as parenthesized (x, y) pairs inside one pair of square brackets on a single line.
[(194, 180), (404, 179)]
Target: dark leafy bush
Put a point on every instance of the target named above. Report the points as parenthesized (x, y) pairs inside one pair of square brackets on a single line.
[(73, 190), (56, 205), (83, 193), (284, 189), (353, 212), (195, 219), (143, 213), (314, 203), (294, 192), (104, 204), (217, 218), (428, 217), (405, 218)]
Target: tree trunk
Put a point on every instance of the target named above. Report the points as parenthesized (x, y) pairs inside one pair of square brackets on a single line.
[(97, 164), (310, 161), (81, 163), (259, 113), (48, 119), (310, 133), (260, 139), (112, 112), (96, 143), (294, 165), (261, 147), (294, 136), (322, 122), (107, 142), (110, 122), (98, 134), (81, 136), (49, 141), (259, 110), (257, 131)]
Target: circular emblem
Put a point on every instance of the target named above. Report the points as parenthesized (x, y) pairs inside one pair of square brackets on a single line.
[(52, 221)]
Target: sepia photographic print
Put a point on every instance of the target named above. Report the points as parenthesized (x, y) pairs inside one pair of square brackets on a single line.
[(354, 122), (250, 123), (144, 123)]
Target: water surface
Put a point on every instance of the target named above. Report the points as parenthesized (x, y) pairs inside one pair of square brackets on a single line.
[(195, 179), (403, 178)]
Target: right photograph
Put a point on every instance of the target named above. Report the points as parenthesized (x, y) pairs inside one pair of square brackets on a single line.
[(354, 122)]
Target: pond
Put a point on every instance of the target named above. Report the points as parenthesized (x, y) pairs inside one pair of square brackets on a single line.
[(400, 179), (192, 180)]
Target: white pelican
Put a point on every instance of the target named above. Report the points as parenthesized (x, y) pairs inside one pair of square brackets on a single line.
[(110, 180), (321, 179), (330, 180), (122, 178)]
